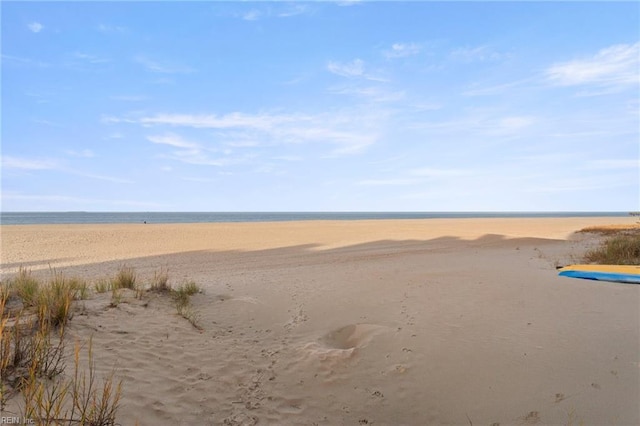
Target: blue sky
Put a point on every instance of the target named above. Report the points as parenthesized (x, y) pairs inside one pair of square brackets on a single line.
[(322, 106)]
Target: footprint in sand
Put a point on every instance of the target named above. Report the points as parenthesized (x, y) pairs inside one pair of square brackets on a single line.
[(352, 336), (297, 319), (532, 418), (341, 344)]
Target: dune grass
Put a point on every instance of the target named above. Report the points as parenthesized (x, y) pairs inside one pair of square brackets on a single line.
[(33, 319), (182, 299), (621, 246), (160, 281), (32, 349), (617, 250), (126, 278), (26, 287)]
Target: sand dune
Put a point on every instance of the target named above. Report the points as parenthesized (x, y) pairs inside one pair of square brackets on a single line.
[(339, 323)]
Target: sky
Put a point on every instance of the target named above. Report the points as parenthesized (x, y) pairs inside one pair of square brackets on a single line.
[(320, 106)]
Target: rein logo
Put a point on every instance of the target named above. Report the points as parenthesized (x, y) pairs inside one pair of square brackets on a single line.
[(16, 421)]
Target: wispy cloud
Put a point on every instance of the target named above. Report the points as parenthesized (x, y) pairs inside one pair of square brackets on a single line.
[(173, 140), (9, 162), (402, 50), (419, 176), (85, 153), (481, 123), (294, 9), (35, 27), (613, 66), (389, 182), (496, 89), (17, 163), (66, 199), (21, 61), (109, 29), (615, 164), (374, 94), (276, 10), (433, 173), (198, 179), (353, 69), (349, 2), (47, 122), (348, 132), (477, 53), (213, 121), (113, 179), (252, 15), (128, 98), (92, 59), (162, 68), (190, 152)]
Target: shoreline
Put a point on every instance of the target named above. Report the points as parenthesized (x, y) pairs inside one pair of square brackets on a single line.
[(118, 218)]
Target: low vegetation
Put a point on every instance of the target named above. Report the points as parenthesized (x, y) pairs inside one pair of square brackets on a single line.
[(33, 320), (621, 247), (160, 281), (182, 298), (126, 278)]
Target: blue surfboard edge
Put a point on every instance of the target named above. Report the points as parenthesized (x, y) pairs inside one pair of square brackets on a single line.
[(602, 276)]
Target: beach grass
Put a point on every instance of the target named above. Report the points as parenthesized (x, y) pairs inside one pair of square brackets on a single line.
[(126, 278), (33, 319), (160, 281), (32, 354), (103, 285), (182, 299), (621, 246), (26, 287), (621, 249)]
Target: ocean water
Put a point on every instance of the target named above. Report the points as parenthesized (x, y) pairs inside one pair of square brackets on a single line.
[(39, 218)]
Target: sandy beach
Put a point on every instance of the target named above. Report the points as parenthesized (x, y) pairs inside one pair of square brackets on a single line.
[(385, 322)]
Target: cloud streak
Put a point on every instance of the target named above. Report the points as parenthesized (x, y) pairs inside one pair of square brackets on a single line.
[(353, 69), (35, 27), (476, 54), (29, 164), (402, 50), (161, 68), (346, 132), (613, 66), (9, 162)]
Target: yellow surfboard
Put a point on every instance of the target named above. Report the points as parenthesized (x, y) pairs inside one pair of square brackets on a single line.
[(629, 274)]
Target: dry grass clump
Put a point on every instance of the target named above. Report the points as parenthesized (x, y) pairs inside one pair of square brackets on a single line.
[(622, 249), (613, 230), (33, 319), (32, 346), (26, 287), (622, 246), (160, 281), (80, 399), (103, 285), (126, 278)]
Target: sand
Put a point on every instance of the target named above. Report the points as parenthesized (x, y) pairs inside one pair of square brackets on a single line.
[(403, 322)]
